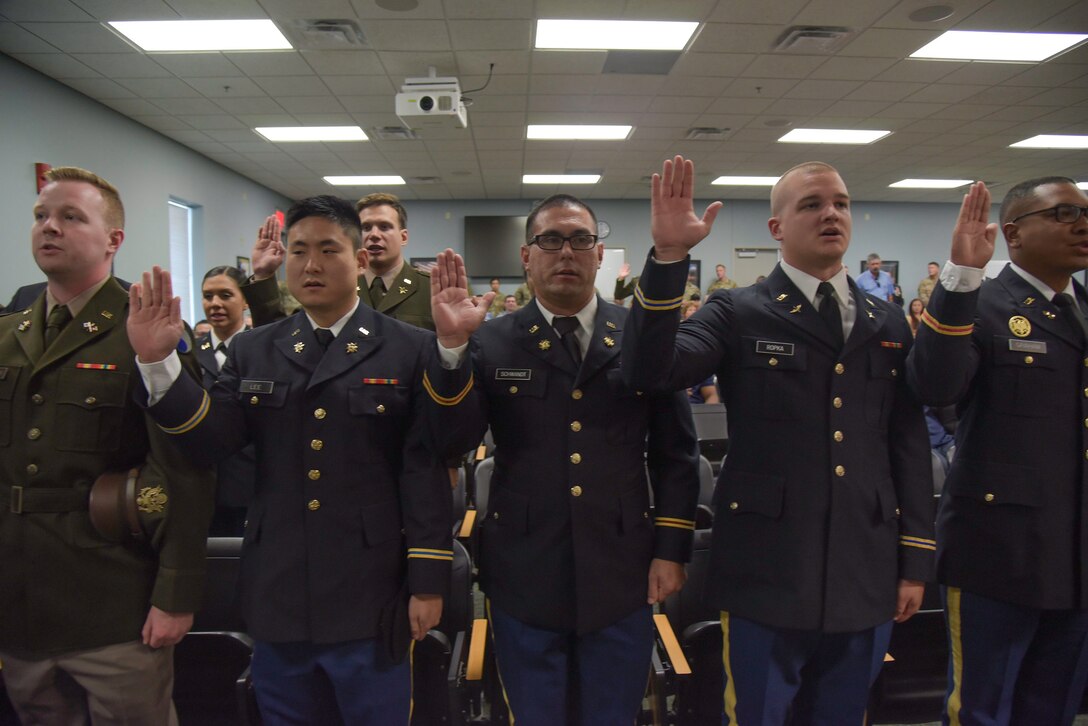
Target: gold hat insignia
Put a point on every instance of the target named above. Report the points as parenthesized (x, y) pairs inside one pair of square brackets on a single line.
[(151, 499)]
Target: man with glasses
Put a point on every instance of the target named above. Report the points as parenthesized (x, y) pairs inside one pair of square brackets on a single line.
[(1012, 552), (572, 557)]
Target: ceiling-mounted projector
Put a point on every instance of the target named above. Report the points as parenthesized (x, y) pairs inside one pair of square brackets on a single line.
[(431, 101)]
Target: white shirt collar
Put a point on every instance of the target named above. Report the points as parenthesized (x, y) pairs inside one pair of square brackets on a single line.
[(339, 324), (808, 284), (585, 315), (1044, 289), (216, 341)]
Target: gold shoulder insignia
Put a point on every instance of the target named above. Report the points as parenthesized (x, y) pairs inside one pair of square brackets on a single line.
[(795, 309), (402, 290), (608, 341), (107, 315), (300, 346), (534, 328), (24, 325), (781, 297), (545, 344), (1029, 301), (352, 348), (610, 324)]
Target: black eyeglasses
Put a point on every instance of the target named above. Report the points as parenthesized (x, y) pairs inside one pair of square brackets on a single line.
[(554, 242), (1064, 213)]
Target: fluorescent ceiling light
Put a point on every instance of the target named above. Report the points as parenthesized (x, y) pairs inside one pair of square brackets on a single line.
[(613, 34), (202, 35), (746, 181), (987, 46), (1082, 185), (312, 133), (363, 181), (832, 136), (583, 132), (1051, 141), (930, 183), (560, 178)]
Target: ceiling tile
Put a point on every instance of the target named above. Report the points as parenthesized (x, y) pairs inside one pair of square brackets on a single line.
[(822, 89), (852, 69), (271, 63), (217, 9), (851, 13), (507, 62), (885, 91), (489, 34), (423, 9), (14, 39), (310, 104), (48, 10), (294, 85), (193, 106), (400, 65), (123, 65), (198, 65), (945, 93), (736, 38), (79, 37), (571, 61), (343, 62), (247, 106), (888, 43), (99, 88), (712, 64), (358, 86), (406, 35), (57, 65), (134, 107), (213, 122), (160, 87), (310, 9)]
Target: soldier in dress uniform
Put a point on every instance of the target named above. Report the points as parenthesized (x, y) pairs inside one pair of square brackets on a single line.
[(348, 540), (571, 557), (1012, 531), (389, 284), (87, 625), (824, 531)]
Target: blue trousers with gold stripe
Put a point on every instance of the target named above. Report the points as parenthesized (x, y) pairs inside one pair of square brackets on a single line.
[(1013, 665), (336, 683), (823, 677), (552, 678)]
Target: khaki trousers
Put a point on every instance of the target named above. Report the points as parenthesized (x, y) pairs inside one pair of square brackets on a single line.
[(126, 684)]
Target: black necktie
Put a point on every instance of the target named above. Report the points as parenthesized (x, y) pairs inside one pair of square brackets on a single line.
[(324, 337), (829, 311), (1069, 309), (59, 317), (566, 326), (377, 290)]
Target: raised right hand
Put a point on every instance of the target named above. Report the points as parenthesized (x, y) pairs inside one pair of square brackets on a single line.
[(268, 250), (972, 238), (154, 317), (456, 314), (673, 223)]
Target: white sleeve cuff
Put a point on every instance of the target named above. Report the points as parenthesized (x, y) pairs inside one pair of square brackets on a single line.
[(960, 278), (451, 358), (158, 377)]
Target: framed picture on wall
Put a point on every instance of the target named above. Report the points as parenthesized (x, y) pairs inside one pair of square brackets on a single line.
[(695, 273), (423, 264), (243, 264)]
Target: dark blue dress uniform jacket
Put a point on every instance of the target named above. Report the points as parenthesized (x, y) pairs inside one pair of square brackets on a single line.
[(568, 537), (1011, 524), (826, 497), (350, 498), (234, 476)]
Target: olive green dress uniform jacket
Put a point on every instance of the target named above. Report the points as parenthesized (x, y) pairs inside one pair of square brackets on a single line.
[(826, 498), (1013, 518), (350, 499), (66, 416), (569, 535), (407, 300)]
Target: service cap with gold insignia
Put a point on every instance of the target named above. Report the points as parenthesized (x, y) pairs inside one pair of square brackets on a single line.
[(1020, 326)]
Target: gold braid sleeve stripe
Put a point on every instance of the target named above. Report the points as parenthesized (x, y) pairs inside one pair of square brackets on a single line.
[(674, 522), (447, 400), (648, 304), (194, 420), (943, 329), (418, 553)]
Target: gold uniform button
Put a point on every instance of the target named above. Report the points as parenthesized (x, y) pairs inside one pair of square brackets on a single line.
[(734, 506), (90, 400), (840, 470), (314, 505), (895, 372), (513, 389), (772, 361), (39, 398), (380, 408), (255, 400), (1086, 392), (836, 402), (576, 458), (989, 497), (495, 515), (576, 490), (840, 368), (897, 512), (838, 436), (317, 444), (1029, 359), (314, 474), (575, 426), (32, 469), (1086, 362), (34, 434), (319, 413), (576, 394)]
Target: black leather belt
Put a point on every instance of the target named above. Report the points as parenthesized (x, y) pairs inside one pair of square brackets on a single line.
[(35, 500)]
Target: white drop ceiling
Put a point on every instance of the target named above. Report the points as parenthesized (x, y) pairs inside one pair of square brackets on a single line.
[(950, 119)]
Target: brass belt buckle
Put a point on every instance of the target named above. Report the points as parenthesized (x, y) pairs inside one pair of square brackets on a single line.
[(16, 500)]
